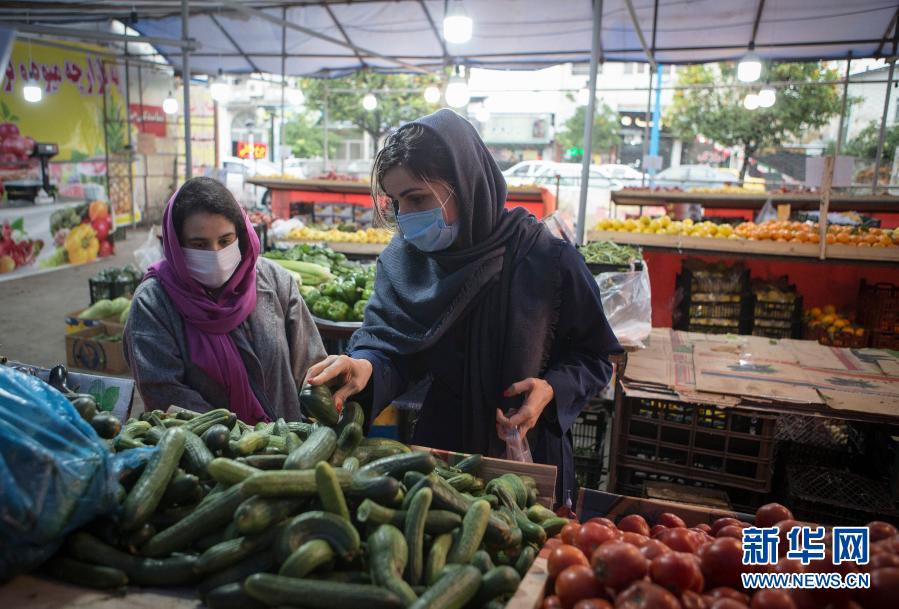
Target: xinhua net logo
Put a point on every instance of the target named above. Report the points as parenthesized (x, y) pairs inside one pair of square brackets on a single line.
[(761, 546)]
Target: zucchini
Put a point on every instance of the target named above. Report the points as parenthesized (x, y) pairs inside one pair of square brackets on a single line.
[(452, 591), (474, 524), (538, 513), (231, 596), (315, 594), (497, 582), (351, 464), (440, 548), (553, 526), (319, 446), (202, 520), (347, 441), (387, 556), (81, 573), (264, 461), (216, 438), (525, 559), (288, 483), (261, 562), (257, 514), (318, 403), (482, 561), (229, 471), (343, 536), (309, 557), (329, 491), (174, 571), (106, 425), (415, 534), (470, 464), (147, 492)]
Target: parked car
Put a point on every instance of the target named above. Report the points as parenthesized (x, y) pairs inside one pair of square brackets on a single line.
[(694, 176), (599, 190), (625, 174), (526, 172)]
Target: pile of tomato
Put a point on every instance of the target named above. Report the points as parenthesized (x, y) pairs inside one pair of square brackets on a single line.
[(631, 565)]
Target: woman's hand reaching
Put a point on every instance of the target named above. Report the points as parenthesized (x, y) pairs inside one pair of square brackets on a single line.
[(538, 393), (349, 375)]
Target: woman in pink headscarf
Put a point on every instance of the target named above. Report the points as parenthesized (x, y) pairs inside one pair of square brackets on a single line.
[(214, 325)]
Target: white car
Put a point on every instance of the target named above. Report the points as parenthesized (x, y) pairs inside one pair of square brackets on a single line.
[(599, 190), (625, 174), (526, 172)]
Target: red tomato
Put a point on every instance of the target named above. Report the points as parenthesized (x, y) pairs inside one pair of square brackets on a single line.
[(551, 544), (722, 562), (726, 592), (576, 583), (731, 530), (677, 572), (592, 535), (656, 529), (635, 539), (646, 595), (635, 524), (603, 521), (617, 564), (654, 548), (552, 602), (8, 130), (679, 540), (106, 249), (722, 522), (728, 603), (703, 527), (568, 531), (671, 520), (692, 600), (563, 557), (593, 603), (881, 530), (771, 513), (772, 599), (102, 227)]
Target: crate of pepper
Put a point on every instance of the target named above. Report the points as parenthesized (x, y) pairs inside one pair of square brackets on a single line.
[(342, 299)]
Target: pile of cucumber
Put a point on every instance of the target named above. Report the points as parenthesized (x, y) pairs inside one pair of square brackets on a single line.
[(307, 514)]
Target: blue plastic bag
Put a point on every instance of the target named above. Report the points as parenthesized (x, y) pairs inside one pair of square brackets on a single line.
[(56, 473)]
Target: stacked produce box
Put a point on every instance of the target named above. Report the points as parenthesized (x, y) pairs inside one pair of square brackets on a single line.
[(713, 298), (878, 311), (777, 309), (112, 282)]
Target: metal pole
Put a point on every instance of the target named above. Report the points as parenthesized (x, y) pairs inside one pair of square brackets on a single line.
[(883, 128), (588, 119), (646, 121), (283, 84), (140, 102), (185, 77), (839, 146), (130, 140), (325, 119)]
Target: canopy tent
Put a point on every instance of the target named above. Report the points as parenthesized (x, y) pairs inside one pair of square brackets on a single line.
[(336, 37)]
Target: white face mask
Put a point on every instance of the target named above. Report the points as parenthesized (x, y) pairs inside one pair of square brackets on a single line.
[(213, 269)]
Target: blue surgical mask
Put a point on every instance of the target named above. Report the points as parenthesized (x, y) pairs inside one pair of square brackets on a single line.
[(427, 230)]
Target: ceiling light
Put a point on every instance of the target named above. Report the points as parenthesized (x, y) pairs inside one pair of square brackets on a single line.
[(32, 93), (170, 104), (482, 114), (220, 91), (457, 93), (767, 97), (432, 94), (750, 67), (457, 25), (751, 101), (369, 102)]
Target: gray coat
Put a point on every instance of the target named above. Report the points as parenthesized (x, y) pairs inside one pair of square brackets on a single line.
[(278, 342)]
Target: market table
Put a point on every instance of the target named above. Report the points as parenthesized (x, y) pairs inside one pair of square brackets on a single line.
[(38, 592)]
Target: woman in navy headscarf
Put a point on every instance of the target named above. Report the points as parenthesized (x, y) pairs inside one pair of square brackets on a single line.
[(481, 303)]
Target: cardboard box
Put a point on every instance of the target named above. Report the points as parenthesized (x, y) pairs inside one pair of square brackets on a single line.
[(76, 324), (85, 350), (544, 475)]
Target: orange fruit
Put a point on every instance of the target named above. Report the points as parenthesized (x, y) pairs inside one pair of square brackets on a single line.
[(859, 331), (831, 238), (814, 238), (829, 310), (842, 238)]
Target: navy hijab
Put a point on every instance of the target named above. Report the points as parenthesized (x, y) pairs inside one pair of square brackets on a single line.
[(419, 296)]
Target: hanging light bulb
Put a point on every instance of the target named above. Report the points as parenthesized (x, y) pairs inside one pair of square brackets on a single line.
[(295, 96), (457, 25), (369, 102), (32, 93), (767, 97), (432, 94), (170, 104), (457, 93), (751, 101), (482, 114), (750, 67), (220, 91)]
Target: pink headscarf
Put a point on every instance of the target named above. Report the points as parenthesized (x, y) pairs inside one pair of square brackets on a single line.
[(207, 322)]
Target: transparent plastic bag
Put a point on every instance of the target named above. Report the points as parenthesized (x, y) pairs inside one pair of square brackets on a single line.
[(767, 212), (517, 447), (627, 303), (150, 252), (56, 473)]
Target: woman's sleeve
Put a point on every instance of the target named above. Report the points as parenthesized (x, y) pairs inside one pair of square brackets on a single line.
[(154, 356), (581, 368), (390, 377), (303, 339)]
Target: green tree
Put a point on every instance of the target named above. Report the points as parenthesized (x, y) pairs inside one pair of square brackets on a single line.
[(303, 132), (400, 99), (864, 145), (606, 129), (719, 114)]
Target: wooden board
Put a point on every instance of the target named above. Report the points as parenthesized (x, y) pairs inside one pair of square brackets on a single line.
[(532, 588), (746, 247), (30, 592)]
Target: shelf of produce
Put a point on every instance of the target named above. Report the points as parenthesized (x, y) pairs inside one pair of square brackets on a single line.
[(755, 200), (745, 247), (343, 247)]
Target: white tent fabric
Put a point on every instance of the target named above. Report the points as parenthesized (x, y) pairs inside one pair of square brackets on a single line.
[(507, 33)]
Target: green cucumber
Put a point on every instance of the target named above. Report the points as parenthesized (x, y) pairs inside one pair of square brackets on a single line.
[(497, 582), (202, 520), (309, 557), (525, 559), (482, 561), (343, 536), (229, 471), (216, 438), (351, 464), (448, 498), (474, 525), (200, 424), (352, 413), (147, 492), (470, 464), (415, 534), (318, 403), (440, 548), (281, 429), (329, 491), (377, 480), (303, 430), (387, 556), (276, 444), (264, 461), (81, 573), (291, 443), (538, 513), (347, 441), (197, 456), (252, 442), (436, 523), (290, 483), (257, 514), (184, 489), (463, 482), (452, 591), (415, 481), (174, 571), (319, 446), (231, 596), (533, 532), (261, 562), (232, 551), (276, 590), (553, 526)]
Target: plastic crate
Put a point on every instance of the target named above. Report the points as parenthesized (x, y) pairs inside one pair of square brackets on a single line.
[(713, 301), (885, 340), (109, 290), (835, 496), (846, 340), (823, 432), (697, 441), (597, 268), (587, 434), (878, 306)]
